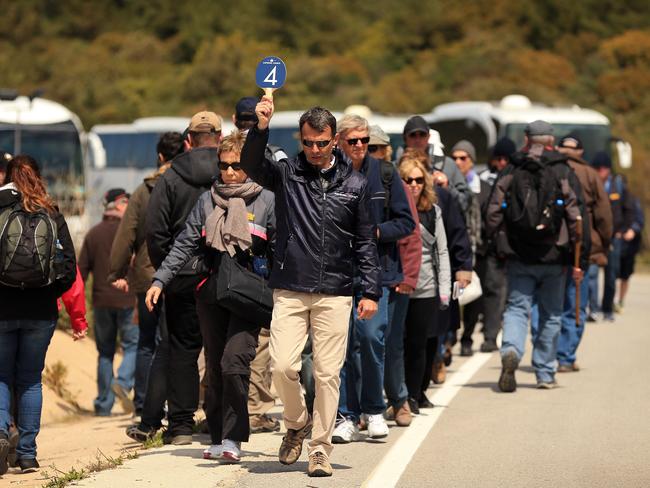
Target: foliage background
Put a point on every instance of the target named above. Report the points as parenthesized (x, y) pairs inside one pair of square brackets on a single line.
[(115, 60)]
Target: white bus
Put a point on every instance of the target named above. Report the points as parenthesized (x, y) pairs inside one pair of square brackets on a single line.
[(483, 123), (54, 136)]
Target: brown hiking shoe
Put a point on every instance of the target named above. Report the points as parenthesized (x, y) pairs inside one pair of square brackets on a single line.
[(319, 465), (568, 368), (403, 415), (263, 423), (438, 372), (291, 446)]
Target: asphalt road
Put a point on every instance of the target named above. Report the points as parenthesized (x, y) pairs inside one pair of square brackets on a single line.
[(592, 431)]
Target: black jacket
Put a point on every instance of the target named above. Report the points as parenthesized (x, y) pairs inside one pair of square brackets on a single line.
[(173, 197), (460, 249), (321, 234), (38, 303)]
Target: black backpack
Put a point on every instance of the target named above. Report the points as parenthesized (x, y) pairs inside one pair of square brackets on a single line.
[(28, 248), (534, 204)]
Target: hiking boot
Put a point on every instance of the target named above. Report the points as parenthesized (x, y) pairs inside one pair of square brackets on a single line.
[(28, 465), (546, 384), (466, 350), (377, 428), (124, 398), (263, 423), (213, 452), (177, 439), (231, 453), (319, 465), (345, 431), (438, 372), (568, 368), (509, 364), (139, 434), (489, 346), (4, 452), (403, 415), (424, 402), (291, 446)]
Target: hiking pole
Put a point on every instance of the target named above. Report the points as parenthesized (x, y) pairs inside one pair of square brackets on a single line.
[(576, 264)]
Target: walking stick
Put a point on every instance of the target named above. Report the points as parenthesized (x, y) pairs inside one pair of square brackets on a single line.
[(576, 264)]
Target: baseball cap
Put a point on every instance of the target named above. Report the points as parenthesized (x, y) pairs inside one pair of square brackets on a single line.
[(415, 124), (571, 138), (205, 122), (378, 137), (539, 128), (114, 194), (245, 109)]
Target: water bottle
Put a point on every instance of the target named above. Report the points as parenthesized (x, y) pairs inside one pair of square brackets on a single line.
[(58, 259)]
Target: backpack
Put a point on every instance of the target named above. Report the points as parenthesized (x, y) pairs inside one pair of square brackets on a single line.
[(534, 204), (28, 248)]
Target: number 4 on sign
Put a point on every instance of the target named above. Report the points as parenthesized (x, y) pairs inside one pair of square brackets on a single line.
[(271, 77)]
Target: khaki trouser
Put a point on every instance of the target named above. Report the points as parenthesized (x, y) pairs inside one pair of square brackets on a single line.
[(260, 398), (328, 317)]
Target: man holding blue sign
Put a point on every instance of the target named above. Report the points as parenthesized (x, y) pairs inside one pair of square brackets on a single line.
[(324, 232)]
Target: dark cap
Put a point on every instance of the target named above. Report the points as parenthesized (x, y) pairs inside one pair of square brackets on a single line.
[(571, 138), (504, 148), (114, 194), (539, 128), (415, 124), (245, 109), (602, 160)]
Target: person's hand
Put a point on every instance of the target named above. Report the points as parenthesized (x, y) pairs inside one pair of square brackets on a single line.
[(404, 289), (367, 309), (463, 278), (151, 297), (264, 111), (577, 275), (440, 179), (121, 285), (629, 235), (77, 335)]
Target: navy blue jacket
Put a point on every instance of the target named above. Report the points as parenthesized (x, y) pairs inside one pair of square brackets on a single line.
[(321, 235), (393, 224), (460, 249)]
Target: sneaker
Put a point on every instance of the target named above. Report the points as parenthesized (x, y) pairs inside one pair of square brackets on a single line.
[(568, 368), (231, 453), (345, 431), (319, 465), (466, 350), (4, 452), (438, 372), (489, 346), (592, 317), (177, 440), (124, 398), (403, 415), (618, 307), (509, 363), (424, 402), (609, 317), (213, 452), (291, 446), (28, 465), (377, 427), (263, 423), (139, 434), (413, 406), (546, 384)]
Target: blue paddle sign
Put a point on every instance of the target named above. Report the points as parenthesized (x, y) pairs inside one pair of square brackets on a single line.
[(271, 73)]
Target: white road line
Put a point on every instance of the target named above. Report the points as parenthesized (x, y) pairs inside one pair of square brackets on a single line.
[(392, 466)]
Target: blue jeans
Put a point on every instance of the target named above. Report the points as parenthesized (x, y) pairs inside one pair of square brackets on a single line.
[(23, 344), (394, 375), (611, 273), (108, 321), (543, 283), (147, 327), (571, 335), (592, 279), (362, 375)]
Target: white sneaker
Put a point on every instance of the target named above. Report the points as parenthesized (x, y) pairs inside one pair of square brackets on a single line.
[(213, 452), (345, 431), (377, 427), (231, 452)]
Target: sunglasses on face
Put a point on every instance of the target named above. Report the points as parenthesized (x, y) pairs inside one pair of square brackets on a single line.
[(418, 134), (460, 158), (418, 181), (236, 166), (354, 140), (320, 144)]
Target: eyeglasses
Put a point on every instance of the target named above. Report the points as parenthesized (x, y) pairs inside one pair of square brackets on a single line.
[(320, 144), (418, 181), (354, 140), (460, 158), (236, 166), (418, 134)]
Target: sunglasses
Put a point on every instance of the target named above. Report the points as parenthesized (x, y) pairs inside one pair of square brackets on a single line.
[(320, 144), (461, 158), (236, 166), (419, 180), (353, 141), (418, 134)]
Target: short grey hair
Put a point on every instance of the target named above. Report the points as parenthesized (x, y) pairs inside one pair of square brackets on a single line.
[(352, 122)]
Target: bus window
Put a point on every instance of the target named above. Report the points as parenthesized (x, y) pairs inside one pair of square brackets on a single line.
[(287, 138), (130, 150)]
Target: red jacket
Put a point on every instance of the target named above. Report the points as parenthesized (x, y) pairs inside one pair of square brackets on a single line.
[(410, 247), (75, 304)]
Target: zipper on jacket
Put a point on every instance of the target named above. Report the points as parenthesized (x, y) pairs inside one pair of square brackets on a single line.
[(322, 237)]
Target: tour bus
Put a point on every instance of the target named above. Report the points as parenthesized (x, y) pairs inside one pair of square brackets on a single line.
[(54, 136), (483, 123)]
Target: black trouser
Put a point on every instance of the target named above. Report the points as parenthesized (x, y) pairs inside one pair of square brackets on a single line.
[(153, 408), (420, 313), (147, 325), (184, 347), (492, 273), (230, 343)]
